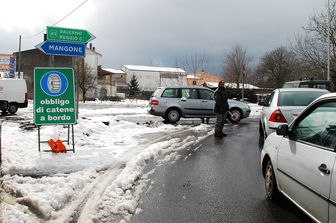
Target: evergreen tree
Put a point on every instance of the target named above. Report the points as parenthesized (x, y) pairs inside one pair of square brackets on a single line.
[(133, 86)]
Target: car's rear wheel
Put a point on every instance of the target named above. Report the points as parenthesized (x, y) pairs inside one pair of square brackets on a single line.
[(271, 188), (173, 115), (236, 115)]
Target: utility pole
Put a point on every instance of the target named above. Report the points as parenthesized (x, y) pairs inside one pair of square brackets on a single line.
[(77, 62), (19, 62), (243, 73), (328, 31)]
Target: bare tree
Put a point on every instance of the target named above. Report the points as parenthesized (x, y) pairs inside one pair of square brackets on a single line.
[(277, 67), (313, 46), (234, 62), (192, 63), (87, 80), (195, 63)]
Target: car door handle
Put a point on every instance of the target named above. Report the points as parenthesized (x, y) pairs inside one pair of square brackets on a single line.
[(324, 169), (204, 101)]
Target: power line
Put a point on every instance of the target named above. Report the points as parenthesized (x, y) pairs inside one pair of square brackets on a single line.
[(27, 37), (70, 13)]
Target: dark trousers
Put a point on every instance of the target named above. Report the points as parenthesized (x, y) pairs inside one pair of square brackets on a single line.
[(220, 121)]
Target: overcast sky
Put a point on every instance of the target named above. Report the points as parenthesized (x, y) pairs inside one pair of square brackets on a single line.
[(161, 32)]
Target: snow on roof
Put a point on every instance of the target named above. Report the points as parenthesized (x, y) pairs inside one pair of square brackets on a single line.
[(192, 76), (114, 71), (155, 69), (233, 85)]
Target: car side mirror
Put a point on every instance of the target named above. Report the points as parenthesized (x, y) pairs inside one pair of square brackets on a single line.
[(282, 130)]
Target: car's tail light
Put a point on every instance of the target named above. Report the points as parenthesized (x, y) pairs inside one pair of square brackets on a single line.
[(154, 102), (277, 116)]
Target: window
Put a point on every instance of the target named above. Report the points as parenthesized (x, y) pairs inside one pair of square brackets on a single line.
[(269, 100), (319, 127), (189, 93), (206, 94), (170, 93), (298, 98)]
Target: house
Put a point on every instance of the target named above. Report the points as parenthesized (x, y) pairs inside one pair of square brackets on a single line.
[(90, 64), (201, 78), (149, 78), (112, 82)]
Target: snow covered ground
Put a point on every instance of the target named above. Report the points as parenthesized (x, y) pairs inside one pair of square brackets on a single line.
[(107, 167)]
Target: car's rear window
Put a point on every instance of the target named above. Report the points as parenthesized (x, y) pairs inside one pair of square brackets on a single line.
[(156, 93), (298, 98)]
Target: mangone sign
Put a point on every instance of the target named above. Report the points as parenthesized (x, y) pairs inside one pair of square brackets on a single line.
[(54, 96)]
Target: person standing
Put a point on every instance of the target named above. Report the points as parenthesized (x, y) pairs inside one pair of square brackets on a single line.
[(221, 108)]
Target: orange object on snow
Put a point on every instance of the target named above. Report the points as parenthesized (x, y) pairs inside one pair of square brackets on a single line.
[(57, 146)]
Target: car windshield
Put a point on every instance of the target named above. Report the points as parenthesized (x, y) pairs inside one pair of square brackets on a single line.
[(298, 98)]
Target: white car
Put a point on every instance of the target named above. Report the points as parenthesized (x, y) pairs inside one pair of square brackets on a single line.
[(298, 160), (283, 105)]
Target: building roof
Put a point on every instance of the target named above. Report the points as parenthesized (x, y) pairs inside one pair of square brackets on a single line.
[(192, 76), (233, 85), (153, 69), (113, 71)]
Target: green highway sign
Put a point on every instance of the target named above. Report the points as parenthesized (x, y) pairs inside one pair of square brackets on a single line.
[(54, 96), (69, 35)]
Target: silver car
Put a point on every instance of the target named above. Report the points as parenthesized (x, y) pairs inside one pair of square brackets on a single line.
[(283, 105), (172, 103), (299, 160)]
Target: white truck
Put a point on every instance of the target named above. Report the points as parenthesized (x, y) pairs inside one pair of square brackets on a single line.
[(13, 95)]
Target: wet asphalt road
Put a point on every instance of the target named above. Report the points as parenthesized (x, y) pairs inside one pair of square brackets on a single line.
[(219, 181)]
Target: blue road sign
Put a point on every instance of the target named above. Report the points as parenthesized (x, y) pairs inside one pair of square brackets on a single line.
[(62, 48), (12, 67)]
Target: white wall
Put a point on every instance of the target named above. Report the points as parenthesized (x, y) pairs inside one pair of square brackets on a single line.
[(181, 81), (110, 90), (147, 80), (91, 60), (150, 80)]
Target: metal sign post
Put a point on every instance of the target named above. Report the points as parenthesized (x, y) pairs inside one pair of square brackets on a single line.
[(67, 141)]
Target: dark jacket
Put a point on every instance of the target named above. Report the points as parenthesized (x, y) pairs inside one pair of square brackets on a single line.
[(221, 99)]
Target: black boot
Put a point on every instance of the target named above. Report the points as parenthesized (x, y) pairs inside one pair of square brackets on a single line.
[(218, 134)]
